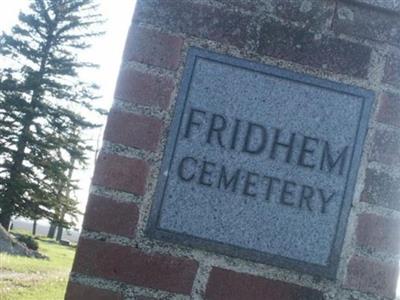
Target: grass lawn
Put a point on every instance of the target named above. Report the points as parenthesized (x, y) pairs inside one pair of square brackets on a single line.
[(24, 278)]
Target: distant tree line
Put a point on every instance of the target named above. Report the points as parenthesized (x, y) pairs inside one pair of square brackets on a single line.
[(43, 109)]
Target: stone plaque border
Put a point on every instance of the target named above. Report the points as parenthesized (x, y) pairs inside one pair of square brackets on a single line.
[(153, 230)]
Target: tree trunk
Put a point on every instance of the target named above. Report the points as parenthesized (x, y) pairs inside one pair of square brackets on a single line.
[(62, 214), (5, 220), (59, 232), (52, 230), (34, 227)]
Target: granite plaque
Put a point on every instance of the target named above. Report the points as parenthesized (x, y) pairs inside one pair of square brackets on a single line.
[(260, 163)]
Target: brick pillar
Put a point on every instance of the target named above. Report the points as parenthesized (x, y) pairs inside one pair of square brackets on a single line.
[(347, 42)]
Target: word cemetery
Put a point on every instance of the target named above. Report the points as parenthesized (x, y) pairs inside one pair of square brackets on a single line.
[(252, 184)]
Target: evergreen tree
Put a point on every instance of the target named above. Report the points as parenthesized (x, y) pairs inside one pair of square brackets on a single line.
[(43, 103)]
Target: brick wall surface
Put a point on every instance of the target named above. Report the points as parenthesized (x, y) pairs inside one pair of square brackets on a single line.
[(355, 42)]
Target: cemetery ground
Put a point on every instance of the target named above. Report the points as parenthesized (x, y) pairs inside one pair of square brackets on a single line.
[(23, 278)]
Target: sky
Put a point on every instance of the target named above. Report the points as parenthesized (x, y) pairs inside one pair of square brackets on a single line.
[(106, 52)]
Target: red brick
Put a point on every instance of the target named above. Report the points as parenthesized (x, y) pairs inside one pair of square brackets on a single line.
[(121, 173), (198, 20), (370, 276), (392, 71), (386, 147), (76, 291), (144, 88), (389, 109), (133, 130), (104, 214), (294, 44), (310, 14), (364, 22), (130, 265), (379, 233), (153, 47), (381, 189), (225, 284)]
